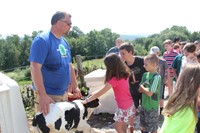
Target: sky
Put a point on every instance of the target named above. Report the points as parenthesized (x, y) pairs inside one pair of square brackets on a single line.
[(121, 16)]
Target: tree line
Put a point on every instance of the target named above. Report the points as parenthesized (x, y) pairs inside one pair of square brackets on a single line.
[(14, 50)]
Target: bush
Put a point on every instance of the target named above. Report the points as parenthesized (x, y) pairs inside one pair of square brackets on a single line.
[(20, 74)]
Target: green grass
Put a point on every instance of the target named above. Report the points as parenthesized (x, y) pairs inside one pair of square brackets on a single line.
[(19, 74), (25, 82), (22, 76), (96, 62)]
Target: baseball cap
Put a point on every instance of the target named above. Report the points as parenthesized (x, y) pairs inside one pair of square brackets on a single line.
[(154, 50)]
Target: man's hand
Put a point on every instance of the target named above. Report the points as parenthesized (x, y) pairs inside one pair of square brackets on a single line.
[(78, 92), (44, 102)]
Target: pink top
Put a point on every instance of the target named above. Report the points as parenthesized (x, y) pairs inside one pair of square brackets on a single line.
[(121, 92)]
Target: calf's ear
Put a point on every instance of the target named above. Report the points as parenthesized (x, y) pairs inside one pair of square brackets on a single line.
[(34, 122), (92, 104)]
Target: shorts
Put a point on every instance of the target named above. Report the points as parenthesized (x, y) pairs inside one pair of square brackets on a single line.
[(124, 115), (55, 98), (149, 119)]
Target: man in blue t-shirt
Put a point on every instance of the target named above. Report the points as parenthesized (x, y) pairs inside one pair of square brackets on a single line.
[(51, 68), (115, 49)]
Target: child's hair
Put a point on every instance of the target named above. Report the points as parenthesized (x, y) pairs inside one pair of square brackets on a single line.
[(186, 91), (115, 67), (190, 47), (168, 41), (127, 46), (153, 58), (176, 46), (176, 39), (183, 43), (198, 55)]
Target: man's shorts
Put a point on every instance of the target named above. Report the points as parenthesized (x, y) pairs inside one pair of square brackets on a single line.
[(55, 98)]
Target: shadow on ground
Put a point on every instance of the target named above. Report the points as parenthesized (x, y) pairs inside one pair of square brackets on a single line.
[(101, 120)]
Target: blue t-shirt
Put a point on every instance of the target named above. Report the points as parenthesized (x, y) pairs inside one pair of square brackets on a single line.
[(113, 50), (55, 57)]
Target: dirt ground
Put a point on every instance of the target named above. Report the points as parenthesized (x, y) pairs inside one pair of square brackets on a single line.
[(102, 123)]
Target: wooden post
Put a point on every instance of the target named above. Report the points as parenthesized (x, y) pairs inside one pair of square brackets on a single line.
[(80, 69)]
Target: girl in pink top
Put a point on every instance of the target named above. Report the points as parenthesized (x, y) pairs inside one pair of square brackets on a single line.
[(117, 74)]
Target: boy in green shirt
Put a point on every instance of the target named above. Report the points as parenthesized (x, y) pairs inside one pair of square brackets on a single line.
[(150, 89)]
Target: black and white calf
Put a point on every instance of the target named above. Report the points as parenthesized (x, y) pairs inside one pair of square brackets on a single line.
[(65, 117)]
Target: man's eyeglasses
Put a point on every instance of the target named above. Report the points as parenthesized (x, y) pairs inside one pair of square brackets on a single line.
[(69, 24)]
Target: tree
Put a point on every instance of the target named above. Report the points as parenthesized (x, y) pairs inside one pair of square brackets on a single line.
[(10, 56), (195, 36), (25, 49), (2, 42), (75, 32), (14, 51)]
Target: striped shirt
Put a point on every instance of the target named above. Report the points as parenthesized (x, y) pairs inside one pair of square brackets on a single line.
[(169, 57)]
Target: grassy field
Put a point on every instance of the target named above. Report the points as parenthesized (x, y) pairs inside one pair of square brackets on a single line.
[(23, 77), (91, 63)]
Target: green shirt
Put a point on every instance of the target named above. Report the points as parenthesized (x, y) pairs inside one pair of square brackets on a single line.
[(152, 82), (183, 121)]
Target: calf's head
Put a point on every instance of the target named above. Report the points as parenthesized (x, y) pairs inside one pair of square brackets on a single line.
[(89, 108)]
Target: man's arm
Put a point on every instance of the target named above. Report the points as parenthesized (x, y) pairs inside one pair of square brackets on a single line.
[(43, 99), (73, 87)]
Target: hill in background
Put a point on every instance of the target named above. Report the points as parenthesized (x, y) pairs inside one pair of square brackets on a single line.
[(133, 37)]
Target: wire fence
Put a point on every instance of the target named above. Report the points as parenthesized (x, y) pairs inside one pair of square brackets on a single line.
[(14, 68)]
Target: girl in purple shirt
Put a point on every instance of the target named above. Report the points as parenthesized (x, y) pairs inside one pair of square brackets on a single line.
[(117, 75)]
